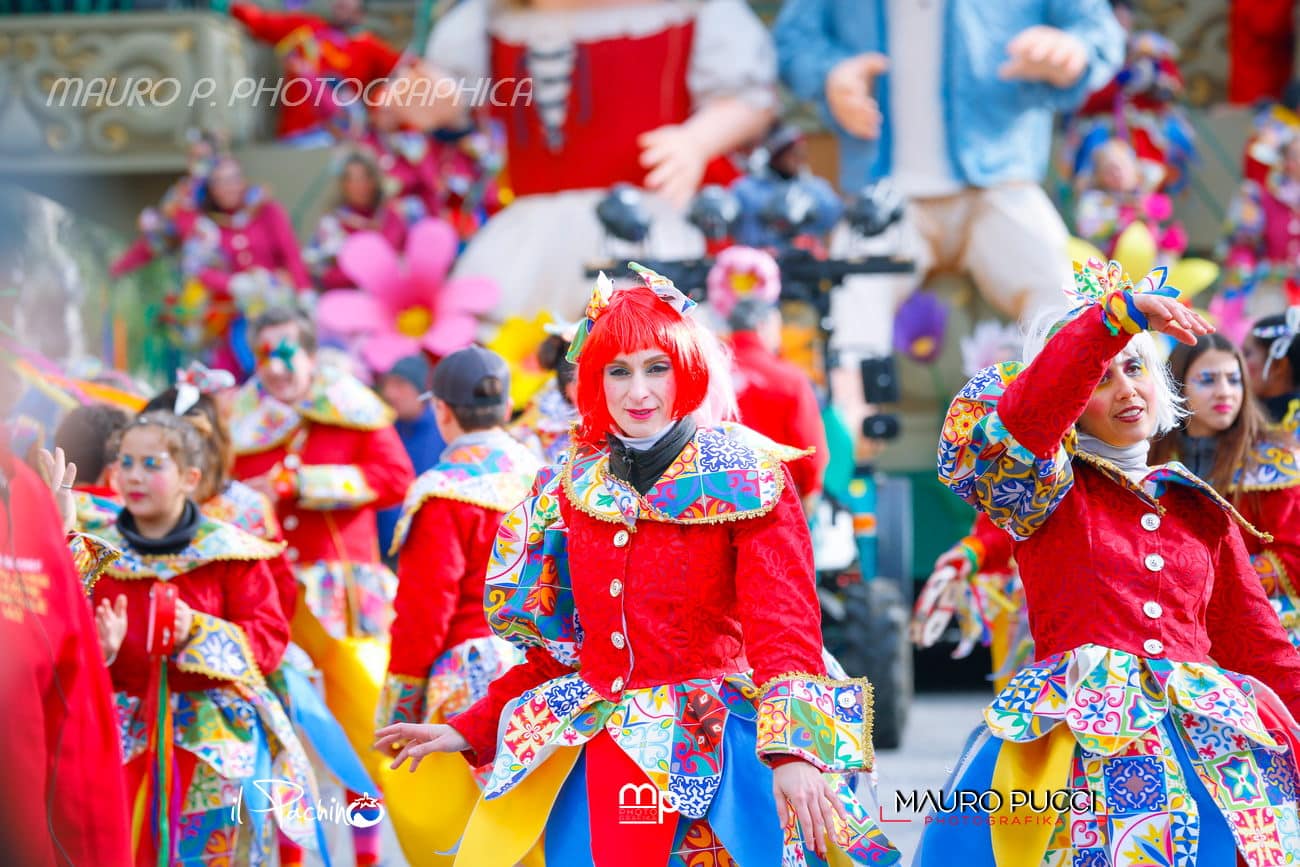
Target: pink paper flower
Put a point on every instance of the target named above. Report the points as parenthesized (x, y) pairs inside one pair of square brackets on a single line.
[(405, 304), (740, 273)]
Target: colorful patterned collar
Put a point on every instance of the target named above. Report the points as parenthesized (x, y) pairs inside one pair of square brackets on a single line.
[(337, 398), (1273, 466), (490, 472), (725, 473), (212, 542), (1157, 483)]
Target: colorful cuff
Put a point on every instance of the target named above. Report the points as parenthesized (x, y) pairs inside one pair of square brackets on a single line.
[(91, 555), (1119, 313), (401, 700), (823, 721), (332, 486), (218, 648)]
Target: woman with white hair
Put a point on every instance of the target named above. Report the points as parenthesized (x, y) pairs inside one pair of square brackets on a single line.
[(1157, 725)]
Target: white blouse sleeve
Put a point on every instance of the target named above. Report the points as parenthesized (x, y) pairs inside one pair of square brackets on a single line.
[(459, 42), (732, 56)]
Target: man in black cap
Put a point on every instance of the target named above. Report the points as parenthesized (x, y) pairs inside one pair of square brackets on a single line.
[(405, 387), (443, 651)]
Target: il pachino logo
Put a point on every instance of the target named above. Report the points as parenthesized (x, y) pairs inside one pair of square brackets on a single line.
[(287, 800)]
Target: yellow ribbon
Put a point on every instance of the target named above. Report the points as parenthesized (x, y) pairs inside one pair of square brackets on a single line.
[(1038, 768)]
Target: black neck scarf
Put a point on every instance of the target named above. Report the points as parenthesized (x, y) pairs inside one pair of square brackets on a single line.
[(176, 540), (641, 468)]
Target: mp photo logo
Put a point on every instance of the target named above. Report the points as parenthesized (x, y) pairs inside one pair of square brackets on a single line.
[(644, 804), (288, 801)]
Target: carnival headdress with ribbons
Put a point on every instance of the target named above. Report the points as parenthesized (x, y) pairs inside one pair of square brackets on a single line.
[(197, 380), (1282, 335), (604, 290), (1108, 286)]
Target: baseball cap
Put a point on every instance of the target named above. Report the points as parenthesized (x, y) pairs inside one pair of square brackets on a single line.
[(458, 380), (414, 369)]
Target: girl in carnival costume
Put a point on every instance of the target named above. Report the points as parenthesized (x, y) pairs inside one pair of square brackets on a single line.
[(230, 501), (1116, 191), (1226, 440), (1272, 355), (1177, 759), (201, 732), (661, 585)]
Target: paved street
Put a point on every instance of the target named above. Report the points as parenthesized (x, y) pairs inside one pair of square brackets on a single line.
[(936, 731)]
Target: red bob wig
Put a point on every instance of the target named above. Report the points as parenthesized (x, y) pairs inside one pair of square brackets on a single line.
[(634, 321)]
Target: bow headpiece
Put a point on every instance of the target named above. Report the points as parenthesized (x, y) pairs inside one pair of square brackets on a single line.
[(1108, 285), (604, 290), (1282, 335), (197, 380)]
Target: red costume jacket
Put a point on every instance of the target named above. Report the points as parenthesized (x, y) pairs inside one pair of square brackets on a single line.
[(445, 535), (1163, 563), (63, 789), (345, 461), (777, 400), (700, 596), (253, 513), (990, 545), (232, 582), (315, 50)]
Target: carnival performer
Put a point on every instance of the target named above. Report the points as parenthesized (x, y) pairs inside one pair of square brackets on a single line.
[(1116, 191), (695, 673), (1261, 246), (63, 799), (1226, 439), (443, 652), (362, 206), (546, 425), (331, 63), (230, 501), (654, 94), (1140, 107), (1139, 588), (241, 252), (201, 732), (774, 397), (322, 446), (161, 226), (1272, 354)]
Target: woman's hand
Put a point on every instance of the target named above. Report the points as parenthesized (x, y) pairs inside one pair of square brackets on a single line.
[(801, 792), (110, 625), (417, 741), (59, 476), (1172, 317)]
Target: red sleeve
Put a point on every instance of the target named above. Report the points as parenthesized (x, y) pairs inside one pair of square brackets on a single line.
[(271, 26), (286, 584), (993, 544), (286, 244), (381, 56), (807, 431), (776, 591), (58, 735), (1041, 404), (478, 724), (1245, 633), (136, 256), (387, 467), (253, 604), (1279, 516), (429, 571)]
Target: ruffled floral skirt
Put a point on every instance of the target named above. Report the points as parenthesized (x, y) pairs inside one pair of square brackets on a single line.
[(1153, 762), (666, 775)]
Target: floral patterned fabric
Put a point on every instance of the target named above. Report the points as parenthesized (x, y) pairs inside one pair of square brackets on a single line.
[(335, 592), (259, 422), (459, 678), (1115, 705)]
